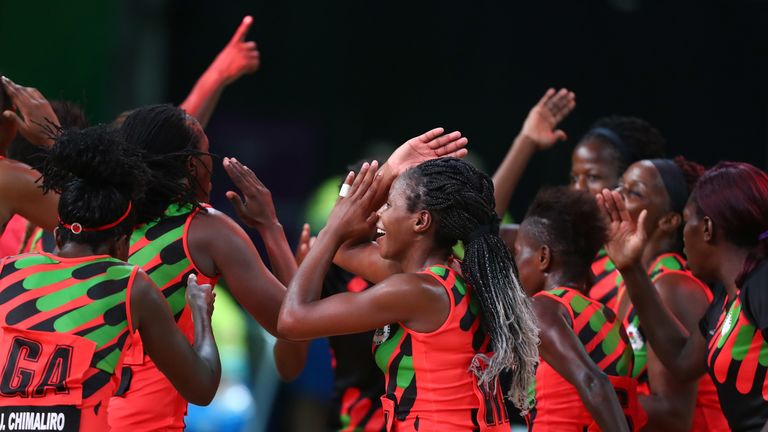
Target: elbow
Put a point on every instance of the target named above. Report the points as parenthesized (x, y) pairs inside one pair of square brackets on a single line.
[(596, 389), (204, 394), (289, 326)]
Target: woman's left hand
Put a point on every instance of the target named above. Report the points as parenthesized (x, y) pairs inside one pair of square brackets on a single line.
[(353, 216), (429, 145), (255, 208)]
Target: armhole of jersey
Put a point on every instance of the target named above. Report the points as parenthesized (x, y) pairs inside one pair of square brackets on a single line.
[(702, 286), (128, 292), (451, 301), (185, 240), (560, 300)]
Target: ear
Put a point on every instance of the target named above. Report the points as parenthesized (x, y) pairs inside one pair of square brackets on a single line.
[(709, 229), (191, 165), (545, 258), (57, 237), (670, 222), (422, 222)]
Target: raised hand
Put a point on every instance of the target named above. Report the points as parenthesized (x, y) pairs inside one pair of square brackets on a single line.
[(539, 126), (200, 297), (255, 208), (353, 216), (37, 123), (306, 240), (430, 145), (626, 238), (239, 56)]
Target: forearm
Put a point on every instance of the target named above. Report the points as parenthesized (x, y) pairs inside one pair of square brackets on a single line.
[(306, 285), (600, 400), (510, 171), (204, 96), (279, 252), (667, 335), (205, 347), (290, 358)]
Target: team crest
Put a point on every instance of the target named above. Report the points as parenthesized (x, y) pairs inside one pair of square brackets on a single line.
[(381, 335)]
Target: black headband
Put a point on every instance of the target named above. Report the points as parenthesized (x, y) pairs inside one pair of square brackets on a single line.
[(482, 230), (674, 182), (612, 137)]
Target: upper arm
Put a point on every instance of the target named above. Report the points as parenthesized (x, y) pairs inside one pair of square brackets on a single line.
[(161, 337), (684, 297), (560, 347), (219, 245), (403, 298), (365, 261)]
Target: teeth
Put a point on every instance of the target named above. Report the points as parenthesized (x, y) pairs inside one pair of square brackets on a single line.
[(380, 231)]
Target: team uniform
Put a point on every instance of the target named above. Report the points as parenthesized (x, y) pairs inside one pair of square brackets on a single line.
[(428, 384), (146, 399), (357, 382), (736, 332), (707, 415), (606, 281), (64, 323), (558, 406)]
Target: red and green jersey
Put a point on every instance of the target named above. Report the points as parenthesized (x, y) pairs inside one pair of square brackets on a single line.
[(147, 399), (738, 356), (707, 414), (606, 281), (428, 384), (557, 402), (63, 326)]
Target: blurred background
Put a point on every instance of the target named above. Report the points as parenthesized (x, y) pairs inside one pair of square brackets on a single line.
[(343, 80)]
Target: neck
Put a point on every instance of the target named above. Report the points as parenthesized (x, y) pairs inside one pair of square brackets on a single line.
[(77, 250), (557, 279), (422, 256), (731, 261), (657, 245)]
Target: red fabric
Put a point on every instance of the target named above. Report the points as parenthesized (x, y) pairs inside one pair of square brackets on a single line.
[(13, 236)]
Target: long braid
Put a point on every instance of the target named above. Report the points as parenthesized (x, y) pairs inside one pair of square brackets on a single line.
[(461, 201)]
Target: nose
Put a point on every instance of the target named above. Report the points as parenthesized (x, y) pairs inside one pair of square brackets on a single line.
[(579, 183), (380, 210)]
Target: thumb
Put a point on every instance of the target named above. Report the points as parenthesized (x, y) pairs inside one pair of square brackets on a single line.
[(237, 203), (560, 135), (241, 31), (641, 223), (12, 116), (192, 280)]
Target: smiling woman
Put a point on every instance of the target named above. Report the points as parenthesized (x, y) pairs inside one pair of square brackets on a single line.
[(447, 329)]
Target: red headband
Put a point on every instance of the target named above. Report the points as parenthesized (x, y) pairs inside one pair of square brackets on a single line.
[(77, 228)]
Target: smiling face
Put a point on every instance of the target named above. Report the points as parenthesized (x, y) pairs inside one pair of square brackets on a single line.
[(395, 231), (594, 167), (528, 259), (642, 189)]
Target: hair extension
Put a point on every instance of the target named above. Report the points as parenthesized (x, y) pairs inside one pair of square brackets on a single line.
[(164, 135), (460, 199)]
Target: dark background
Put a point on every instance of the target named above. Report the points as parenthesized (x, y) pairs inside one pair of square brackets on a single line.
[(337, 77)]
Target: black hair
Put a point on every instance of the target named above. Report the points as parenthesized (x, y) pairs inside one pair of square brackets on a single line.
[(97, 176), (461, 202), (569, 222), (70, 115), (637, 139), (167, 140)]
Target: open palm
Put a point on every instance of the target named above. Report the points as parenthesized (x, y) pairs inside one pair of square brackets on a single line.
[(626, 238), (429, 145), (544, 117)]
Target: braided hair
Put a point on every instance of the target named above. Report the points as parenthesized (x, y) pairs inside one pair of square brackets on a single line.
[(98, 176), (460, 199), (167, 140)]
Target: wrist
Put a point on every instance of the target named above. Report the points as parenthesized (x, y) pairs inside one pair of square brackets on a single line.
[(526, 141), (631, 268), (332, 235)]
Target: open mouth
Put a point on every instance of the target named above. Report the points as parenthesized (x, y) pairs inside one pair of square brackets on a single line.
[(379, 234)]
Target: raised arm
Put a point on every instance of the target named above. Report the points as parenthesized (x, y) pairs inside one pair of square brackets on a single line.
[(361, 256), (538, 133), (681, 351), (195, 370), (236, 59), (20, 193), (562, 350)]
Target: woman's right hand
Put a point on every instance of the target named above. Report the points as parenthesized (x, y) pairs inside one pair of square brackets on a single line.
[(539, 126), (353, 216), (200, 297), (38, 122), (626, 238)]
